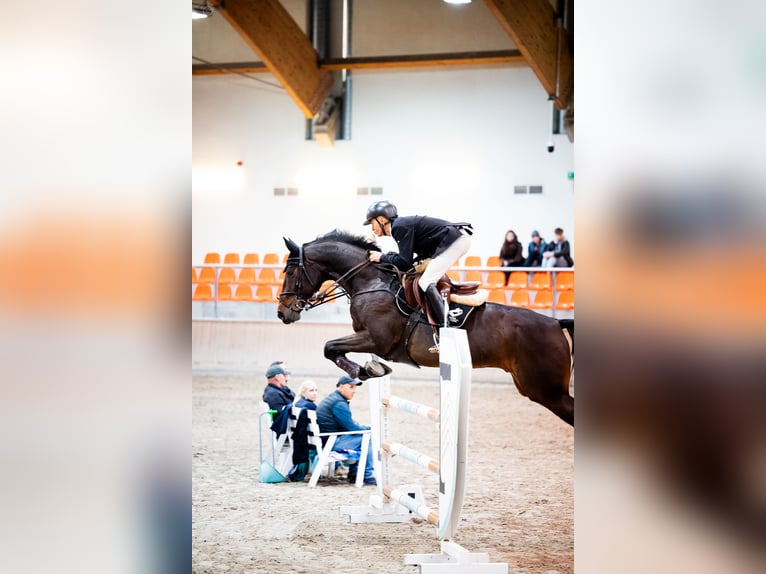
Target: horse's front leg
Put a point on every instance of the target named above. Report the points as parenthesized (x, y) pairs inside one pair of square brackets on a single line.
[(359, 342)]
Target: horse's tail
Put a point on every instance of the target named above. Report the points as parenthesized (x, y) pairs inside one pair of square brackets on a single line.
[(568, 326)]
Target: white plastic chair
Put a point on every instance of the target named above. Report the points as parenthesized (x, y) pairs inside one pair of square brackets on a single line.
[(326, 457)]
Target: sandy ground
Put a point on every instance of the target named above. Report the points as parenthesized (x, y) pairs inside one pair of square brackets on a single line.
[(518, 508)]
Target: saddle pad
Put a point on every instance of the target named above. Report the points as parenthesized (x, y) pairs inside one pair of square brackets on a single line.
[(457, 316)]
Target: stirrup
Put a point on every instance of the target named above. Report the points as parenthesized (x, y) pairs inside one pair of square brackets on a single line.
[(435, 348)]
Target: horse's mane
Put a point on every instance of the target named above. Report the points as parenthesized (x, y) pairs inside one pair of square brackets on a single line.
[(349, 238)]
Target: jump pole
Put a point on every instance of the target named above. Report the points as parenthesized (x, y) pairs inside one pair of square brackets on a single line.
[(391, 504)]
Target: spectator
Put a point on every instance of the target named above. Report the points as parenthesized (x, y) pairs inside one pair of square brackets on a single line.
[(510, 252), (557, 252), (303, 454), (277, 394), (535, 251), (306, 396), (334, 415)]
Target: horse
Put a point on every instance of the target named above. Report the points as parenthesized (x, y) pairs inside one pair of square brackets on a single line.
[(530, 346)]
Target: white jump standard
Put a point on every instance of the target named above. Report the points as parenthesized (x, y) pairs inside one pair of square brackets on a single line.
[(397, 504)]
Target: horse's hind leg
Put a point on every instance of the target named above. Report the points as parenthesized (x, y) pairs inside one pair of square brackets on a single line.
[(361, 342), (547, 385)]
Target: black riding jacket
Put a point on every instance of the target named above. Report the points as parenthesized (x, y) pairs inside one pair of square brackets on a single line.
[(420, 237)]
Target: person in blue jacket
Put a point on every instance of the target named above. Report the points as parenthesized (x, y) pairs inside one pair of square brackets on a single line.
[(334, 415), (535, 251)]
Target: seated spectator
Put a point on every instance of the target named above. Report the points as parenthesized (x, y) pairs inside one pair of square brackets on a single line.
[(334, 415), (303, 454), (307, 396), (535, 251), (510, 252), (557, 252), (277, 394)]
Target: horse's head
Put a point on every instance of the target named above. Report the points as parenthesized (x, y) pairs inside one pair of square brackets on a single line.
[(299, 284), (335, 255)]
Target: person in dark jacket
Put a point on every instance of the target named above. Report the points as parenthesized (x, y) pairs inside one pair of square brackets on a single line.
[(334, 415), (277, 394), (306, 396), (557, 253), (420, 237), (535, 251), (510, 252), (303, 454)]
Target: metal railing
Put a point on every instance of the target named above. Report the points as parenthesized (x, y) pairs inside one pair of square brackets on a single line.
[(554, 271)]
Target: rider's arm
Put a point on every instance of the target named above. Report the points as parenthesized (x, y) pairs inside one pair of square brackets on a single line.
[(405, 239)]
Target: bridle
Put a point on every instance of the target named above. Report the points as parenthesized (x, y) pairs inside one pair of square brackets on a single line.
[(332, 292)]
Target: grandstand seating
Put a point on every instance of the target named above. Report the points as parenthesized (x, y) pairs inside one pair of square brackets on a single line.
[(495, 280), (203, 292), (565, 301), (565, 281), (497, 296), (540, 281), (518, 280), (543, 300), (520, 298)]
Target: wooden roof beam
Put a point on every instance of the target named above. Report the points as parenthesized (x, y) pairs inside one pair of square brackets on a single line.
[(531, 24), (280, 43), (379, 62)]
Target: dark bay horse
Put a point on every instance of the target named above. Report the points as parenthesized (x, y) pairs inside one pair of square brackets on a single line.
[(528, 345)]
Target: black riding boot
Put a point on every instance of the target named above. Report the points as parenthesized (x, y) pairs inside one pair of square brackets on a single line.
[(436, 306)]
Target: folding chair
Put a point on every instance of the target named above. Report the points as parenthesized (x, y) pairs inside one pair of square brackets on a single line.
[(326, 457)]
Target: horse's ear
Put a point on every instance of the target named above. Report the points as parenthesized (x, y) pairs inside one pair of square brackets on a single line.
[(291, 246)]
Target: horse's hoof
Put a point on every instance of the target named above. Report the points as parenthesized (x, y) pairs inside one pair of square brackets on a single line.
[(375, 369)]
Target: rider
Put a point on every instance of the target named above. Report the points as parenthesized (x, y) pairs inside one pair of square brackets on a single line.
[(420, 237)]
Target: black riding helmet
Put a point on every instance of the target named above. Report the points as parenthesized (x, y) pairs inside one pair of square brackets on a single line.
[(384, 208)]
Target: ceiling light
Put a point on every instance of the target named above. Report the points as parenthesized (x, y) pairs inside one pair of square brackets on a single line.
[(201, 11), (458, 1)]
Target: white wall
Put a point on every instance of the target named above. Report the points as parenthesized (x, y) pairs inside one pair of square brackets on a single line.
[(451, 144)]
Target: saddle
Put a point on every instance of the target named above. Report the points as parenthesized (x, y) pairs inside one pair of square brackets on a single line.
[(467, 293)]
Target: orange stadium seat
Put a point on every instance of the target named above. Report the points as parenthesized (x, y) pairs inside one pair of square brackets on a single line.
[(520, 298), (226, 276), (454, 275), (270, 259), (471, 276), (493, 261), (543, 300), (565, 301), (243, 293), (495, 280), (231, 258), (252, 259), (264, 294), (206, 275), (472, 261), (268, 277), (246, 275), (224, 292), (203, 293), (565, 281), (518, 280), (212, 258), (194, 275), (540, 281), (497, 296)]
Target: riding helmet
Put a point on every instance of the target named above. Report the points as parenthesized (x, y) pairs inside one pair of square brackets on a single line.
[(384, 208)]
